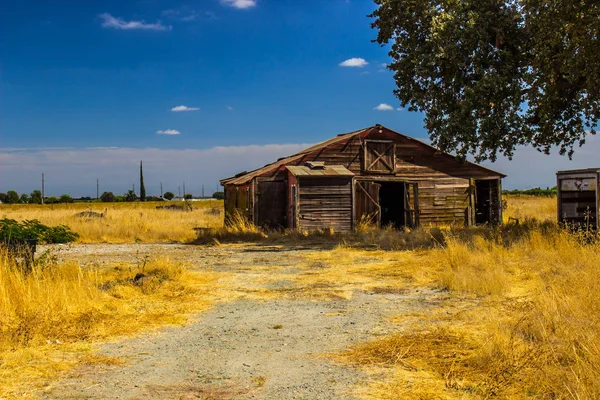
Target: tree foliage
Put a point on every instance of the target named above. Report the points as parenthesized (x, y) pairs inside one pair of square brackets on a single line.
[(108, 197), (12, 197), (35, 197), (491, 75), (218, 195), (169, 195), (65, 198), (142, 187), (130, 196)]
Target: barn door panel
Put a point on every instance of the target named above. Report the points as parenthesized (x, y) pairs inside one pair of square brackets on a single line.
[(366, 199), (380, 156), (411, 204), (271, 202)]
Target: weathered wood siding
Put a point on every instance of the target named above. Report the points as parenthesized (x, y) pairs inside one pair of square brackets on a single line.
[(444, 184), (325, 203)]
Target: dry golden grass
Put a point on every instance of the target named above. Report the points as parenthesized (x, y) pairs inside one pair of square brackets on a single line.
[(124, 222), (521, 207), (50, 317), (523, 321)]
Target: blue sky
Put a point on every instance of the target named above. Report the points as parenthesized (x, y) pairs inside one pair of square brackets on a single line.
[(198, 89)]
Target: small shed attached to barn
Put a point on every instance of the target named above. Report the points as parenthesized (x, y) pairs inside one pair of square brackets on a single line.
[(375, 174)]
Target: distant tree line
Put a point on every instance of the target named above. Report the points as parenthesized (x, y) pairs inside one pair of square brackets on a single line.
[(35, 197), (548, 192)]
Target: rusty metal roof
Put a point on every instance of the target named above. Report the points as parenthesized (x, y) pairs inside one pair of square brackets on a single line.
[(328, 170), (283, 161), (245, 178)]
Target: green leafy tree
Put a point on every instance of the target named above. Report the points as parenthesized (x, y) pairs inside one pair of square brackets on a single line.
[(51, 200), (188, 196), (491, 75), (218, 195), (35, 197), (12, 197), (108, 197), (142, 187), (2, 197), (24, 199), (130, 196), (65, 198), (169, 195)]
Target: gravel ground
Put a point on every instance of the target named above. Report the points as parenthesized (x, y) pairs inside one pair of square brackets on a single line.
[(245, 349)]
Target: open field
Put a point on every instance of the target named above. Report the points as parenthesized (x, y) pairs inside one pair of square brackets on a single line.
[(124, 222), (513, 314)]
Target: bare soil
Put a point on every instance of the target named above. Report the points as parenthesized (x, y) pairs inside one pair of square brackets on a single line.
[(242, 349)]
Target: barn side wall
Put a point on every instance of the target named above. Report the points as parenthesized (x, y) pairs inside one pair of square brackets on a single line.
[(325, 203), (445, 186)]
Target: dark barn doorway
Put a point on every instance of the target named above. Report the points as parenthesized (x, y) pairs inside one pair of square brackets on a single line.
[(391, 200), (487, 201)]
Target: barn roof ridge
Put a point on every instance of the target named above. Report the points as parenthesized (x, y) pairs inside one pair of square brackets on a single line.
[(244, 178)]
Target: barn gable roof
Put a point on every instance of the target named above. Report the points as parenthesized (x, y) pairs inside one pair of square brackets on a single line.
[(244, 178)]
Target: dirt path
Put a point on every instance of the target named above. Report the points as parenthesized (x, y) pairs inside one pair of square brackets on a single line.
[(245, 349)]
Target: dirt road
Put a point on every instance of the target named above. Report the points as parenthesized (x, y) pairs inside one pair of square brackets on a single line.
[(245, 348)]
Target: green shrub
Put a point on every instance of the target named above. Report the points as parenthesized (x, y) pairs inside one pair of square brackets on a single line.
[(11, 230)]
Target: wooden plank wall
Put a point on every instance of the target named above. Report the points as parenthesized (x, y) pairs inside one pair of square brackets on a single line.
[(443, 182), (325, 203)]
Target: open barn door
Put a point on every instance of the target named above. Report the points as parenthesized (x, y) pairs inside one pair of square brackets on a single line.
[(366, 202), (387, 203)]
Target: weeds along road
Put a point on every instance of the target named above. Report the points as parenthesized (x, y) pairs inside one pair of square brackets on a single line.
[(278, 315)]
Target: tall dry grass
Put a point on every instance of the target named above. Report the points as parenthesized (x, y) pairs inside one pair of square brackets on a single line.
[(522, 206), (51, 316), (124, 222), (530, 328)]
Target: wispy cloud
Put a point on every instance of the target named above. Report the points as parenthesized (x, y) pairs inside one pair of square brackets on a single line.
[(354, 62), (241, 4), (187, 15), (229, 108), (108, 21), (74, 170), (384, 107), (184, 108), (168, 132)]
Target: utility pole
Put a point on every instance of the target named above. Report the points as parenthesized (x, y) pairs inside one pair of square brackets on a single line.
[(97, 189), (202, 191), (183, 188), (134, 188), (161, 193), (43, 183), (179, 190)]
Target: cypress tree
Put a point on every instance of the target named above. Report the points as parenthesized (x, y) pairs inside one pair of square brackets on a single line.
[(142, 188)]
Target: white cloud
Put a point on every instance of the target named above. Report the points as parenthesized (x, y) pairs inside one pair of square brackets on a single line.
[(184, 108), (168, 132), (354, 62), (400, 109), (108, 21), (384, 107), (241, 4), (229, 108)]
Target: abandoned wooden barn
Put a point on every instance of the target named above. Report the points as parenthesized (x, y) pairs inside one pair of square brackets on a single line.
[(374, 173)]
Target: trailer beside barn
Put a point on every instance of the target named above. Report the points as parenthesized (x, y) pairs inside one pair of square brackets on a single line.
[(373, 173), (577, 197)]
